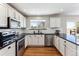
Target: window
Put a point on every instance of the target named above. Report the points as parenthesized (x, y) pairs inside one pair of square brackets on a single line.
[(37, 24)]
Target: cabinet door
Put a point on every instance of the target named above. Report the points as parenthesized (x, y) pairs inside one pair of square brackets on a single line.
[(17, 15), (11, 12), (35, 40), (3, 15), (24, 22), (54, 41), (29, 40), (57, 42), (8, 51), (70, 49), (11, 49), (58, 23), (41, 40), (26, 41), (61, 46), (52, 22), (21, 21), (55, 22), (27, 37), (77, 50)]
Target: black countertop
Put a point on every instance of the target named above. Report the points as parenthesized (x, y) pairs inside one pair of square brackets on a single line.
[(39, 33), (18, 37), (70, 38)]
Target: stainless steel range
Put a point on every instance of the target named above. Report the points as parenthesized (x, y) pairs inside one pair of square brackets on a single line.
[(6, 38)]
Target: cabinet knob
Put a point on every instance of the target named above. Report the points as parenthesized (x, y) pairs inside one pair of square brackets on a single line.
[(9, 47), (64, 41)]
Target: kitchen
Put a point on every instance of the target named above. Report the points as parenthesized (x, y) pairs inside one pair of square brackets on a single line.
[(39, 29)]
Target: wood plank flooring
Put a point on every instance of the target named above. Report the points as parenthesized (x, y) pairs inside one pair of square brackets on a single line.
[(41, 51)]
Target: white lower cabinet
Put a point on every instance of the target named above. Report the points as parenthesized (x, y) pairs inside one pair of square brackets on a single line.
[(56, 42), (77, 50), (62, 46), (28, 37), (26, 41), (35, 40), (65, 47), (70, 49), (41, 40), (8, 51)]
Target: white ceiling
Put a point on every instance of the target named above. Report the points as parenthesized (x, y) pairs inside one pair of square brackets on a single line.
[(47, 8)]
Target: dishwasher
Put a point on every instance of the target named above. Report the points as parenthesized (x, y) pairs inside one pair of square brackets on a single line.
[(49, 40)]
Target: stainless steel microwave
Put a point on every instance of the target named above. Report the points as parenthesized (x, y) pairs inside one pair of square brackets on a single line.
[(13, 23)]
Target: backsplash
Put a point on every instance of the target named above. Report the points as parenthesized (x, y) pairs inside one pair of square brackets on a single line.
[(16, 30)]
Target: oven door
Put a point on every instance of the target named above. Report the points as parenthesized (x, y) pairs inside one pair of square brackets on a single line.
[(20, 47)]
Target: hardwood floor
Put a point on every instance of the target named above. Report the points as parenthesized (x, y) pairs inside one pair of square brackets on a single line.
[(41, 51)]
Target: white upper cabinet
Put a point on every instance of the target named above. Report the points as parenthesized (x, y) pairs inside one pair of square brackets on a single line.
[(11, 12), (14, 14), (22, 21), (17, 15), (55, 22), (3, 15)]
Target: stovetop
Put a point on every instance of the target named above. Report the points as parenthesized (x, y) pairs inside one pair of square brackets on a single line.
[(9, 40)]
